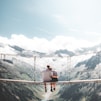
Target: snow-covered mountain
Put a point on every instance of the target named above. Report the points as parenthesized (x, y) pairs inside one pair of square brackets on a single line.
[(8, 49), (83, 63), (64, 59)]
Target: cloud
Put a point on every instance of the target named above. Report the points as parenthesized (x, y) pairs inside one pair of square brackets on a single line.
[(38, 44), (70, 43), (3, 40), (44, 45)]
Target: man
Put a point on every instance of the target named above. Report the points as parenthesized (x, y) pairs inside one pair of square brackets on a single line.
[(47, 74)]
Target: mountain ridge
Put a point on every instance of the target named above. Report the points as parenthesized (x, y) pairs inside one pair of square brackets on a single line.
[(84, 64), (60, 52)]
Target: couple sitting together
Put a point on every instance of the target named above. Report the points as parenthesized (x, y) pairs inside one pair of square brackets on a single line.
[(50, 76)]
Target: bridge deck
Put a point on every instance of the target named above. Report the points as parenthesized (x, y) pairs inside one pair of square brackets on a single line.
[(59, 82)]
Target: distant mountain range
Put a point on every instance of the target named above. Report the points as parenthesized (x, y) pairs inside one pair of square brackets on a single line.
[(83, 63), (62, 52)]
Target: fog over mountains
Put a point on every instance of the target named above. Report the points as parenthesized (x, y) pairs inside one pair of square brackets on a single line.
[(83, 63)]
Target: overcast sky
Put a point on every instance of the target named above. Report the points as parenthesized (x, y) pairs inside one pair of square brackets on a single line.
[(65, 22)]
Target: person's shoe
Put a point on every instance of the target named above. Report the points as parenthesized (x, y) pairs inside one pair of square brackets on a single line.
[(51, 90), (54, 88)]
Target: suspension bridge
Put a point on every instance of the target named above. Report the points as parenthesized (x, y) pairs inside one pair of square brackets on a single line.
[(4, 56)]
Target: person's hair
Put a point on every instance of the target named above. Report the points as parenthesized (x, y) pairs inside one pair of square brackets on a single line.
[(48, 66)]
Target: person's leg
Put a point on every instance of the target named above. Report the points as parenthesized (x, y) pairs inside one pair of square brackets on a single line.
[(45, 87), (55, 80), (51, 85), (54, 85)]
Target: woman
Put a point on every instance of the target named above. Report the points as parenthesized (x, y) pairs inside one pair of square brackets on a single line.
[(54, 79)]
